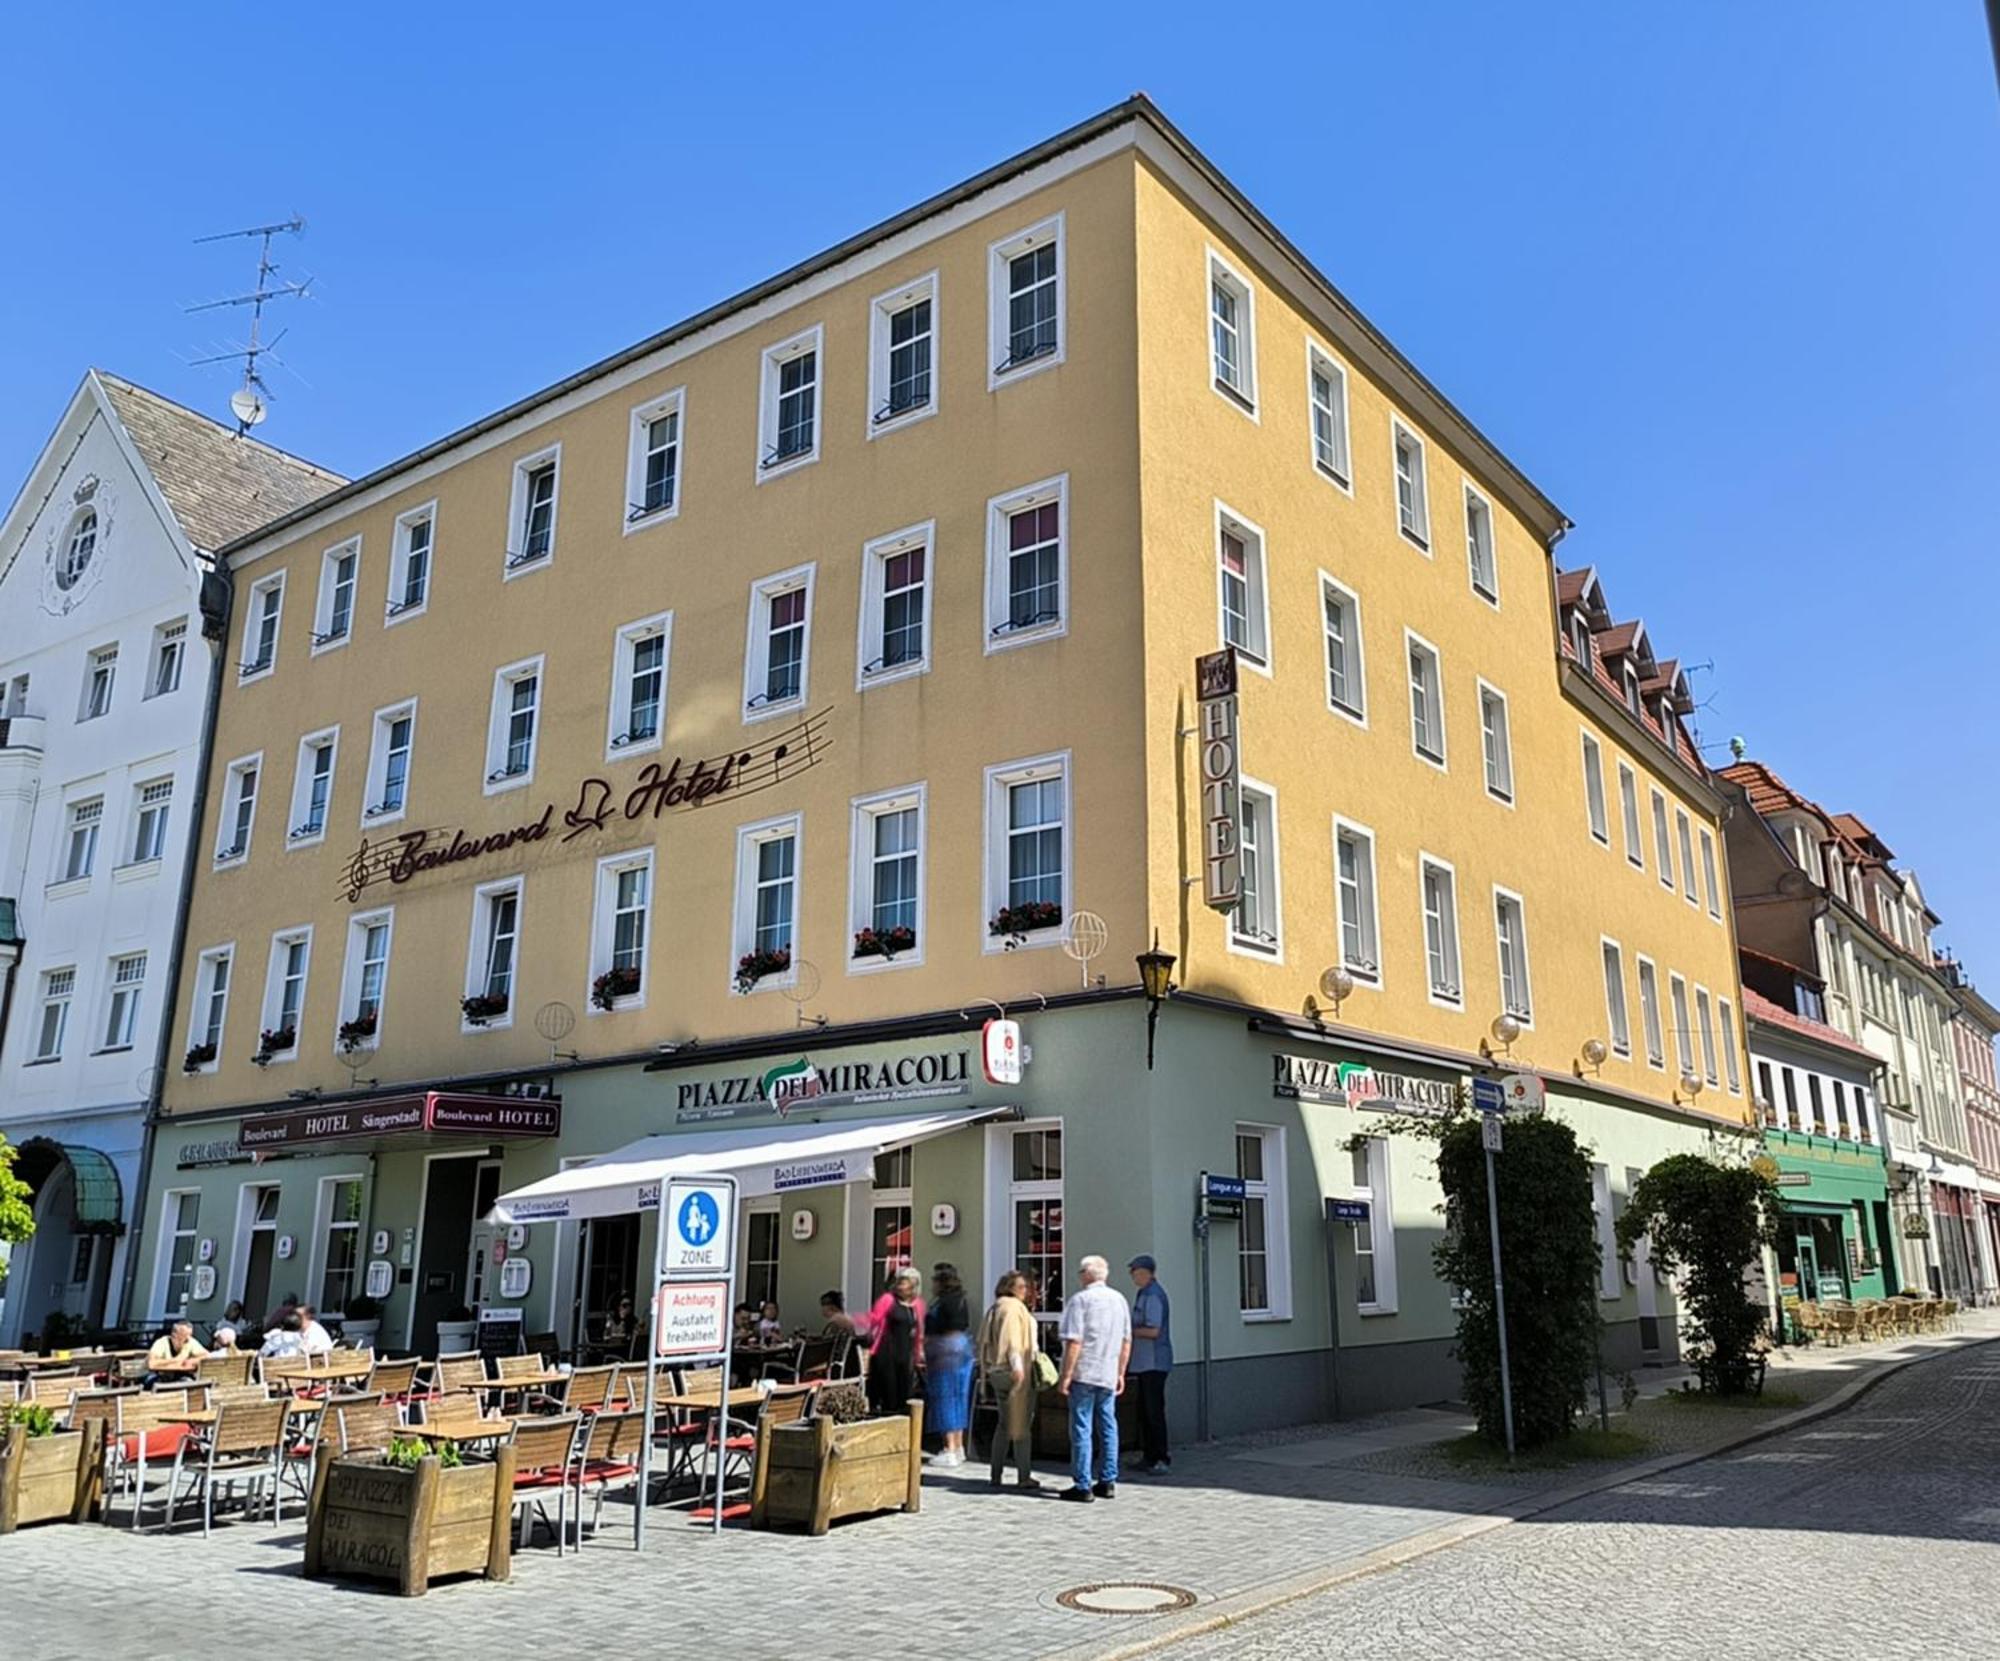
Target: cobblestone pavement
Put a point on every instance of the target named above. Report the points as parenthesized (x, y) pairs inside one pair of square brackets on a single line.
[(1873, 1533), (974, 1573)]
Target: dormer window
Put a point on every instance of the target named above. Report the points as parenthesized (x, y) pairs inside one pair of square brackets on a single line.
[(1579, 632), (1632, 698)]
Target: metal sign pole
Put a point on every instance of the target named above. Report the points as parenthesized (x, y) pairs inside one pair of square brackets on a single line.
[(652, 1375), (1499, 1298), (1201, 1230), (728, 1348)]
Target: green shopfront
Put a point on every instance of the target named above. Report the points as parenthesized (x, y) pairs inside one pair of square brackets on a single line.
[(1833, 1236)]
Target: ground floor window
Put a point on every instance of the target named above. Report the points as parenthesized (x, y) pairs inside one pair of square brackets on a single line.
[(1262, 1278), (341, 1278), (183, 1221), (890, 1226), (760, 1257), (1035, 1218), (1374, 1238)]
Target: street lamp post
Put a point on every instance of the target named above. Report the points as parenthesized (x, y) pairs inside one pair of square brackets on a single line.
[(1156, 970)]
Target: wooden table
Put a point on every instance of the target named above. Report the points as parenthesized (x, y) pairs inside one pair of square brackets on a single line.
[(463, 1430), (741, 1396)]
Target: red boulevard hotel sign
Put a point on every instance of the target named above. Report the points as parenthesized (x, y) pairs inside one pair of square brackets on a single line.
[(434, 1110), (681, 784)]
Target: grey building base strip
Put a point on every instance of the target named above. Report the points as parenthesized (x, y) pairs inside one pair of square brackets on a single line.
[(1242, 1606)]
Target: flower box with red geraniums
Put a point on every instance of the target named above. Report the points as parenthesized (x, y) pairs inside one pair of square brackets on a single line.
[(752, 967), (1019, 921), (357, 1031), (276, 1041), (613, 984), (482, 1007), (198, 1057), (885, 942)]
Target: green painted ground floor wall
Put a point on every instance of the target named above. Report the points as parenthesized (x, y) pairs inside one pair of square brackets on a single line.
[(1101, 1156), (1836, 1238)]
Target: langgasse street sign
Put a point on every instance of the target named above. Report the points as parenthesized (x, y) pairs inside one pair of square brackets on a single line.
[(1221, 779)]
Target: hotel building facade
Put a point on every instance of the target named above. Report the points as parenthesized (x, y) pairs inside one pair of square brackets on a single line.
[(726, 733)]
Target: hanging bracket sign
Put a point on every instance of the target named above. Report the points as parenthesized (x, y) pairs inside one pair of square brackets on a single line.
[(1221, 779)]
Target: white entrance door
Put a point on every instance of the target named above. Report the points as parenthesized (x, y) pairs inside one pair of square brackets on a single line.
[(481, 1274)]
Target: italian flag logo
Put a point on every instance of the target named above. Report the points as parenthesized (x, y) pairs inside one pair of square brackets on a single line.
[(788, 1082)]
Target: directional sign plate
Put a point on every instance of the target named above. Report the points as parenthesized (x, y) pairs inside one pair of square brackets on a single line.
[(1490, 1128), (1489, 1095)]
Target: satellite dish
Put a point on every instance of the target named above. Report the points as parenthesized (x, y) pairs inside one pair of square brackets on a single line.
[(555, 1021), (247, 405), (1084, 937)]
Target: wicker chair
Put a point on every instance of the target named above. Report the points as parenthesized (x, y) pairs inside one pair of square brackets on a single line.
[(247, 1440)]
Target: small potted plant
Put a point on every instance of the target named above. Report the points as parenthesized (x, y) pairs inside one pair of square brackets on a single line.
[(274, 1041), (355, 1033), (1017, 922), (752, 967), (482, 1007), (361, 1320), (46, 1474), (198, 1057), (458, 1332), (613, 984), (885, 943)]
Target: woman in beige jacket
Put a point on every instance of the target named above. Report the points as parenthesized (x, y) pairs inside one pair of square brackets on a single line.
[(1007, 1347)]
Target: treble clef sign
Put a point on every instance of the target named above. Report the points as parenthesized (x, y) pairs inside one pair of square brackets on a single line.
[(356, 874)]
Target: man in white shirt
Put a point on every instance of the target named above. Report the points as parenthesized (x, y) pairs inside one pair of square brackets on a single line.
[(314, 1339), (1097, 1343)]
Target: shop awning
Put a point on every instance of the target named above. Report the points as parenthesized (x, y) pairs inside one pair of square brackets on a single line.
[(773, 1159), (100, 1196)]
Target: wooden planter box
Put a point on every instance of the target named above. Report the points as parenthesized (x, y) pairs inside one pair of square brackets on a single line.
[(370, 1520), (46, 1479), (818, 1472)]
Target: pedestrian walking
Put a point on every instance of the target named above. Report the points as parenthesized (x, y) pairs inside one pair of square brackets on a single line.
[(1152, 1360), (895, 1344), (1097, 1345), (948, 1363), (1008, 1351)]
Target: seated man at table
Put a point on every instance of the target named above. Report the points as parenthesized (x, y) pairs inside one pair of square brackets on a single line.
[(834, 1317), (286, 1339), (314, 1339), (175, 1353)]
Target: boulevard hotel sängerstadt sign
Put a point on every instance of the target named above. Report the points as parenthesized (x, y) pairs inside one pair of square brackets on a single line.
[(678, 785), (433, 1110)]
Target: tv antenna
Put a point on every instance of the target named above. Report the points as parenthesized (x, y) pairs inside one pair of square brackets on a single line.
[(250, 402)]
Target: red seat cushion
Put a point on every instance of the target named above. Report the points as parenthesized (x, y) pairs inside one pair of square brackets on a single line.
[(539, 1479), (740, 1444), (608, 1470), (730, 1513), (161, 1442)]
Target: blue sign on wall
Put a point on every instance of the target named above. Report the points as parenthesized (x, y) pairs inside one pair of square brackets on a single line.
[(1347, 1211), (1224, 1188)]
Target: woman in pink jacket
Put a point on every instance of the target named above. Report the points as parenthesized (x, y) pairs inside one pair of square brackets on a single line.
[(896, 1345)]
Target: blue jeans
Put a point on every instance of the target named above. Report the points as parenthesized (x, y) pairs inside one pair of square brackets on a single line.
[(1092, 1408)]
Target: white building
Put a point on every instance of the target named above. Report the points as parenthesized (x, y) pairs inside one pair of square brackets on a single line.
[(108, 609)]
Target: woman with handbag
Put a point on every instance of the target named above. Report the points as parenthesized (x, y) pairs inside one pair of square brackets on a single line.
[(1009, 1353)]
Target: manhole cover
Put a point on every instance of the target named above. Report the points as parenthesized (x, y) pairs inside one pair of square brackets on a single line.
[(1126, 1597)]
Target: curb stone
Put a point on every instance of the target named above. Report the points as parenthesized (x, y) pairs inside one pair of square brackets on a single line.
[(1222, 1613)]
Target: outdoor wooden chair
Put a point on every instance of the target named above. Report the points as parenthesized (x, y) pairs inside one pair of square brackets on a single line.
[(362, 1427), (396, 1380), (526, 1365), (234, 1395), (463, 1371), (607, 1457), (1948, 1315), (546, 1347), (1806, 1318), (144, 1431), (228, 1366), (544, 1451), (131, 1369), (10, 1391), (58, 1392), (289, 1372), (247, 1441), (1842, 1323), (590, 1389), (738, 1450)]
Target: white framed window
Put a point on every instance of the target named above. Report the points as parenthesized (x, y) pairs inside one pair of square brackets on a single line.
[(1686, 837), (1232, 334), (1628, 812), (902, 355), (1025, 282), (79, 859), (1029, 859), (1346, 667), (531, 510), (312, 787), (1257, 924), (1677, 992), (211, 1008), (333, 613), (895, 635), (338, 1213), (239, 809), (1375, 1239), (1731, 1071), (1649, 1014), (1354, 900), (1610, 1283), (621, 930), (890, 1236), (1437, 890), (1510, 937), (638, 706), (1263, 1237), (125, 985), (1482, 562), (99, 676), (513, 725), (1413, 512), (1615, 1013), (412, 550), (1242, 599), (1027, 564), (1710, 881), (1426, 698), (260, 629), (653, 460), (285, 992), (1704, 1014), (52, 1021), (767, 904), (364, 988), (180, 1228), (1663, 842), (491, 954), (1326, 396), (778, 655), (1496, 744), (152, 806), (886, 887), (1024, 1187), (1634, 700), (386, 795), (169, 656), (82, 544), (788, 415), (1597, 812)]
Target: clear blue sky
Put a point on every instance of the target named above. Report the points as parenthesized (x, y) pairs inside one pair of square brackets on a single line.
[(1723, 279)]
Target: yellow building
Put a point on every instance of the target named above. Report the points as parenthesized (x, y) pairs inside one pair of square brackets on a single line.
[(574, 777)]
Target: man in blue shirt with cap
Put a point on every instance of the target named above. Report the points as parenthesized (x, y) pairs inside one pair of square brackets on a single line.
[(1152, 1359)]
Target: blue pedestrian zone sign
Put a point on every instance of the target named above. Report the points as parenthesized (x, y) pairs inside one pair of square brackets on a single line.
[(699, 1216), (699, 1228)]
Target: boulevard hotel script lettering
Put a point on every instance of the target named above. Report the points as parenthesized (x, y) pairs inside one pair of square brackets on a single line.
[(679, 785), (1221, 778), (1311, 1078)]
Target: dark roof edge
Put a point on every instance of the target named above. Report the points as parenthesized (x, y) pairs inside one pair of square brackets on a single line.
[(1137, 107)]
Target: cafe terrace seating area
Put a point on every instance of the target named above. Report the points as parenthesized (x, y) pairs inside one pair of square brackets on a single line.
[(1841, 1321)]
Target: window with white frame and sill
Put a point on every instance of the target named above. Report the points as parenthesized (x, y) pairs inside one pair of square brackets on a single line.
[(1496, 743), (285, 992), (1683, 1030), (100, 675), (1413, 513), (1346, 677), (1256, 925), (1663, 843), (1510, 933), (1710, 880), (1620, 1023), (763, 1233), (1482, 563), (1326, 393), (1240, 587), (52, 1019), (86, 820), (239, 809), (1027, 564), (127, 983), (169, 653), (902, 351), (340, 1243), (1025, 286), (1610, 1284), (490, 957), (1732, 1070), (1354, 900), (1704, 1013), (410, 562), (514, 725), (890, 1241), (1628, 813), (211, 1008), (531, 512), (152, 805), (621, 930), (1232, 328), (387, 791), (639, 686), (788, 408), (260, 628), (1263, 1242), (1437, 883), (896, 605), (1686, 836), (1027, 852), (1596, 811), (312, 786), (333, 616), (653, 460), (887, 881), (1426, 699), (1375, 1235), (181, 1228), (366, 981), (778, 656), (767, 903)]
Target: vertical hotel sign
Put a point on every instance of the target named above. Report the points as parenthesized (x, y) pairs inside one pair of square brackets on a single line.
[(1221, 776)]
